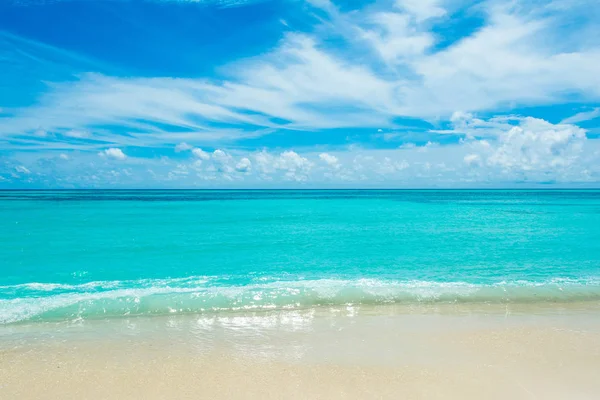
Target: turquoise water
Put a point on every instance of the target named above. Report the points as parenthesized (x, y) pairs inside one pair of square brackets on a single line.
[(96, 254)]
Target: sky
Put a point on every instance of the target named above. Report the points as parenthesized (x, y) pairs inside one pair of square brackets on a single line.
[(299, 94)]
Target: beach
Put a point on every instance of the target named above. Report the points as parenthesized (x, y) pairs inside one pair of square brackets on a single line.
[(441, 352), (299, 200), (324, 294)]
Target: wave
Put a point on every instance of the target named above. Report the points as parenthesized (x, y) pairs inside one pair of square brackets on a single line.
[(56, 301), (94, 285)]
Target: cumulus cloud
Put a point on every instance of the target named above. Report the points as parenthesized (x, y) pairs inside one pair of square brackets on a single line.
[(538, 145), (291, 165), (330, 160), (295, 166), (223, 162), (390, 63), (391, 165), (114, 153), (244, 165), (472, 159), (221, 156), (183, 146), (201, 154), (292, 161), (528, 150)]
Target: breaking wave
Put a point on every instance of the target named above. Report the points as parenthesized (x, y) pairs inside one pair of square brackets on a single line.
[(103, 299)]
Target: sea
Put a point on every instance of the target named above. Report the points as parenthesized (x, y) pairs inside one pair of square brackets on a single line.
[(96, 254)]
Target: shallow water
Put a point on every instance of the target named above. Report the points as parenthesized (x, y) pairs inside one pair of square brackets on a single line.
[(67, 255)]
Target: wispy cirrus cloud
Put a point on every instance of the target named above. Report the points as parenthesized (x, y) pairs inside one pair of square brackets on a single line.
[(363, 68), (303, 84), (582, 116)]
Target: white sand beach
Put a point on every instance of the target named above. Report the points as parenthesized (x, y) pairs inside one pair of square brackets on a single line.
[(442, 352)]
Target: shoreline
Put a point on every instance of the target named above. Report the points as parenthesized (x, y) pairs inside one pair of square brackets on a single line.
[(345, 352), (126, 305)]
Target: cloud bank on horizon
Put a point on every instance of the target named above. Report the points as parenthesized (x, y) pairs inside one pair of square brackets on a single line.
[(299, 93)]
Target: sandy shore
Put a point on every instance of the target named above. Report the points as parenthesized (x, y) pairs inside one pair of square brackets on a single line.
[(353, 353)]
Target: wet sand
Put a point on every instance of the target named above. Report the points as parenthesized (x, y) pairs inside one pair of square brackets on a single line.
[(448, 352)]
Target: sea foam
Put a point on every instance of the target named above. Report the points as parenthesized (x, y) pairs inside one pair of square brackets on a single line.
[(55, 301)]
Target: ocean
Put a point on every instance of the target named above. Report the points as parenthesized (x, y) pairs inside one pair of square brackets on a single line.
[(94, 254)]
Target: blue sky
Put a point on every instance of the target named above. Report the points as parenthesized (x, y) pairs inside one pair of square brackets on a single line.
[(299, 93)]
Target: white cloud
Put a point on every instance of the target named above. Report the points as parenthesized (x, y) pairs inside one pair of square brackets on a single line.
[(201, 154), (223, 162), (63, 156), (22, 169), (244, 165), (393, 63), (307, 84), (183, 146), (292, 161), (582, 116), (530, 151), (391, 166), (395, 38), (422, 9), (507, 61), (330, 160), (537, 145), (221, 156), (472, 159), (113, 153), (77, 134), (290, 164), (264, 161)]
